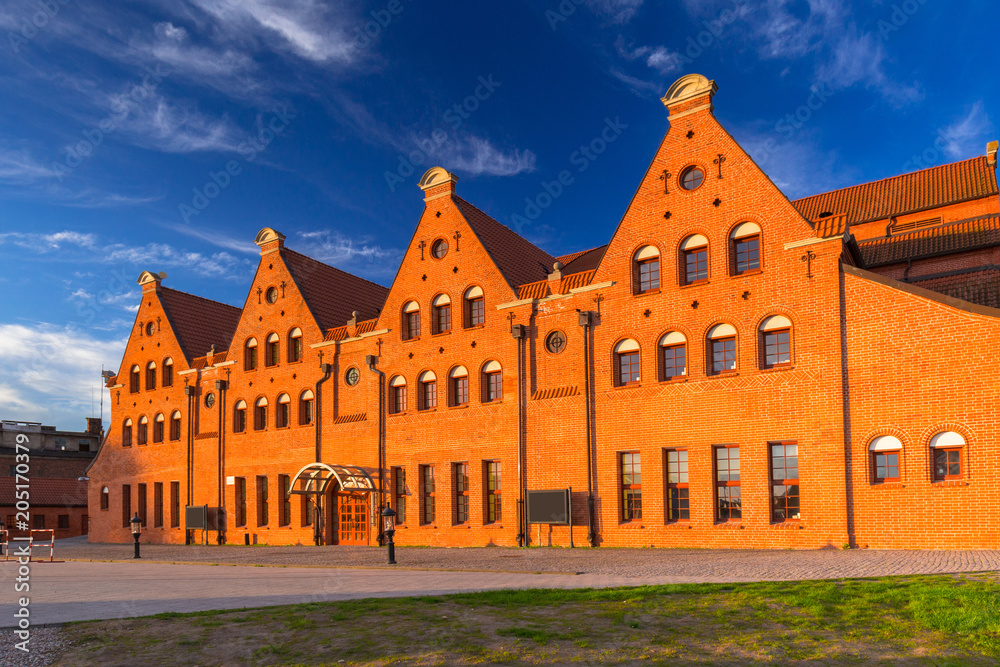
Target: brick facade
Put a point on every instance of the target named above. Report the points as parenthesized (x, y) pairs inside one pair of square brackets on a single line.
[(865, 356)]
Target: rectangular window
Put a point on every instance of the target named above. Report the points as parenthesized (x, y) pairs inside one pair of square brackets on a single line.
[(628, 367), (168, 375), (63, 522), (399, 493), (747, 254), (271, 353), (695, 265), (240, 420), (947, 464), (262, 498), (151, 378), (442, 318), (460, 390), (241, 501), (399, 399), (427, 492), (886, 466), (777, 348), (134, 382), (158, 430), (413, 325), (494, 387), (143, 433), (158, 504), (306, 411), (784, 481), (723, 355), (428, 391), (285, 517), (461, 493), (126, 505), (674, 361), (307, 510), (295, 349), (728, 503), (493, 514), (175, 504), (631, 486), (38, 521), (260, 417), (175, 428), (141, 501), (649, 275), (250, 360), (126, 436), (678, 502), (477, 312)]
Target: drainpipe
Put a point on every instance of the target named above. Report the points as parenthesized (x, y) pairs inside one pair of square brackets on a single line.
[(587, 320), (189, 391), (220, 525), (318, 529), (519, 333), (371, 360)]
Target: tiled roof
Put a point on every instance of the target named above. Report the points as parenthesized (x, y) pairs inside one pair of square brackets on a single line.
[(585, 260), (909, 193), (47, 492), (199, 323), (980, 286), (543, 288), (832, 225), (349, 419), (340, 333), (332, 294), (981, 232), (209, 359), (557, 392), (518, 259)]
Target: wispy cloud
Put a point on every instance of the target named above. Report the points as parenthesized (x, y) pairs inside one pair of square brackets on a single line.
[(659, 58), (175, 127), (969, 134), (43, 243), (475, 156), (618, 11), (19, 167), (216, 265), (335, 248), (216, 238)]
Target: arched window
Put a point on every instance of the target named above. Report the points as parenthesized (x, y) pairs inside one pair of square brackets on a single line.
[(411, 320), (168, 372), (458, 378), (271, 350), (127, 433), (240, 417), (646, 269), (475, 307), (134, 379), (250, 355), (260, 414), (673, 356), (284, 411), (947, 447), (442, 313), (427, 383), (105, 498), (776, 341), (627, 362), (143, 435), (158, 427), (722, 349), (744, 248), (175, 425), (151, 375), (885, 452), (397, 395), (492, 382), (295, 345), (306, 403), (694, 260)]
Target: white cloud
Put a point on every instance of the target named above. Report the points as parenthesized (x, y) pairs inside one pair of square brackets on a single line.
[(474, 156), (220, 264), (638, 86), (659, 58), (332, 247), (18, 167), (42, 243), (968, 135), (157, 123), (859, 59), (618, 11)]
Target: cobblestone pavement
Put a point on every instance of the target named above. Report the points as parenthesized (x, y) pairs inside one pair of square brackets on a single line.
[(675, 565)]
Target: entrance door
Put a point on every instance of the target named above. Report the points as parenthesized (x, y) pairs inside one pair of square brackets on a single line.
[(352, 518)]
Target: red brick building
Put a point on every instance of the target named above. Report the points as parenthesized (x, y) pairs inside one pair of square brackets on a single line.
[(733, 369)]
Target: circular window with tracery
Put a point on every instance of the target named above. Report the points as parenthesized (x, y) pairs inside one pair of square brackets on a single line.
[(555, 342), (209, 399), (692, 178), (272, 294), (439, 249), (353, 376), (150, 329)]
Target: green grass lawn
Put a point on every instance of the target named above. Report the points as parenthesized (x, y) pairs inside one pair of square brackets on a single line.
[(932, 620)]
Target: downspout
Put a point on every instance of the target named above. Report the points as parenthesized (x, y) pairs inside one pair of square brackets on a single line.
[(220, 525), (318, 430), (189, 475), (518, 333), (371, 360), (585, 323)]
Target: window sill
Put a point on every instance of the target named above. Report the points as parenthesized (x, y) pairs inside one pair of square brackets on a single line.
[(426, 410), (948, 483), (458, 407), (778, 369), (675, 380), (441, 333), (630, 385), (723, 374), (649, 292), (678, 524), (753, 272), (732, 525), (492, 526), (495, 401), (398, 414), (412, 339), (427, 526), (474, 327), (790, 524), (631, 525), (695, 284), (465, 525)]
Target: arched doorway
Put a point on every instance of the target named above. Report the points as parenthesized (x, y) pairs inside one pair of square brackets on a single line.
[(341, 499)]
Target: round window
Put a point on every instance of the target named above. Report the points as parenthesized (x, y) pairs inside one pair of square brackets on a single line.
[(439, 249), (272, 294), (353, 376), (209, 399), (150, 329), (555, 342), (692, 178)]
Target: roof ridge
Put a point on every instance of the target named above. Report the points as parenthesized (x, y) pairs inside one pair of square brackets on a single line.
[(202, 298)]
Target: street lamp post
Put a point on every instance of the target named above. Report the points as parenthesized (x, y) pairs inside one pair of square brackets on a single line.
[(136, 532), (389, 522), (3, 527)]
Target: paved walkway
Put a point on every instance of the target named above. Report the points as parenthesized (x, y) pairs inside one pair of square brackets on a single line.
[(76, 590)]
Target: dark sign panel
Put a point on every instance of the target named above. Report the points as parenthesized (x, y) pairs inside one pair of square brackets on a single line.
[(548, 506)]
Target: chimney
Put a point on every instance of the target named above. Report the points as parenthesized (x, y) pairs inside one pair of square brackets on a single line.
[(437, 182), (94, 426), (991, 153), (151, 281), (689, 94), (269, 240)]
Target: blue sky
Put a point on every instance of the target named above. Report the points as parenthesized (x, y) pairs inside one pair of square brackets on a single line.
[(164, 134)]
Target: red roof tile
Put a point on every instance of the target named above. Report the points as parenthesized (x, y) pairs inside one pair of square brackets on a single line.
[(332, 294), (930, 188), (981, 232), (340, 333), (584, 260), (518, 259), (543, 288), (556, 392), (209, 359), (199, 323), (980, 286), (47, 492)]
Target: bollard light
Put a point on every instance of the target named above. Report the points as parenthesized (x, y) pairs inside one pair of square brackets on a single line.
[(136, 532), (389, 523)]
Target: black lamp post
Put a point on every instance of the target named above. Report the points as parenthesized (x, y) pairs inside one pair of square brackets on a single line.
[(136, 532), (389, 522), (3, 527)]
